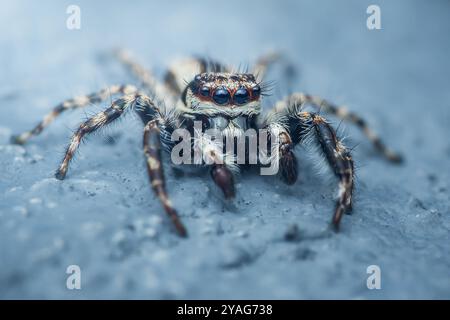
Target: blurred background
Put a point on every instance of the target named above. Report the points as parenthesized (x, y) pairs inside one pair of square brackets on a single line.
[(104, 217)]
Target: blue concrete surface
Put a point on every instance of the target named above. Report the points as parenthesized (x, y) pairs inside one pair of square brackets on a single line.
[(105, 218)]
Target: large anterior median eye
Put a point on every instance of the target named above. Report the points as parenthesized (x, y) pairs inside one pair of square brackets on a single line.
[(241, 96), (221, 96)]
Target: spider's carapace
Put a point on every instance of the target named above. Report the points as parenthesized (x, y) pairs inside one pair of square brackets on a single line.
[(225, 89)]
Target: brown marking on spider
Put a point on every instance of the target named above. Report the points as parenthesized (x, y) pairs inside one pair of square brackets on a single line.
[(229, 102)]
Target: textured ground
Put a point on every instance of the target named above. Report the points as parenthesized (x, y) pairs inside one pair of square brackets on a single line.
[(105, 218)]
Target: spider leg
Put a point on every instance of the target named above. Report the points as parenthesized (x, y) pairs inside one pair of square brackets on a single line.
[(264, 63), (99, 121), (338, 157), (152, 151), (287, 159), (223, 178), (75, 103), (222, 165), (297, 100), (148, 80)]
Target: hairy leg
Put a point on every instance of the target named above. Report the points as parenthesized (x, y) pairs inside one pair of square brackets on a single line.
[(152, 151), (99, 121), (264, 63), (287, 161), (295, 102), (223, 178), (338, 157), (222, 165), (147, 79), (75, 103)]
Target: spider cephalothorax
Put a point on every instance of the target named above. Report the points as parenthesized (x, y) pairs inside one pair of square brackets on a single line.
[(228, 102), (223, 100)]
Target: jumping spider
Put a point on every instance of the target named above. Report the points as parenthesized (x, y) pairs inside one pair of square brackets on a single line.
[(224, 100)]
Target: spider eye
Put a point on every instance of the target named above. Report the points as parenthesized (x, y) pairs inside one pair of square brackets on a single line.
[(204, 91), (241, 96), (221, 96), (256, 91)]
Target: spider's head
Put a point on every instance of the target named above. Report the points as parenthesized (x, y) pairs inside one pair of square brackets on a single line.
[(224, 93)]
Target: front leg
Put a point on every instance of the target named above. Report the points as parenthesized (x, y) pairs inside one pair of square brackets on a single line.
[(338, 157), (287, 160), (223, 178), (222, 165), (99, 121), (152, 151)]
